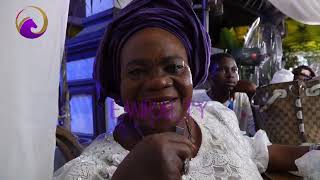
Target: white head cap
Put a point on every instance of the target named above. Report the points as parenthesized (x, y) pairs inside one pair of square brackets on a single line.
[(281, 76)]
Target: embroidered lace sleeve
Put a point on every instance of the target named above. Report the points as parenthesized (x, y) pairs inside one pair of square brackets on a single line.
[(259, 153), (98, 162), (224, 153), (309, 165)]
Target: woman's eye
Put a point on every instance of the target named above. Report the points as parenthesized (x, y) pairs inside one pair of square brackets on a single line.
[(136, 72), (174, 68)]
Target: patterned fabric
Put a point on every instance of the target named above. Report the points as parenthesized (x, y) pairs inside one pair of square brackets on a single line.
[(279, 120), (224, 152), (282, 120), (240, 105)]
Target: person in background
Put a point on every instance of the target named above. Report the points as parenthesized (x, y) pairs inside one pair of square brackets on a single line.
[(303, 73), (225, 87)]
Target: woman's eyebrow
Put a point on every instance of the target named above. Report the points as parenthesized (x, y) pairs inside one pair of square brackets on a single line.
[(139, 62), (170, 59), (146, 62)]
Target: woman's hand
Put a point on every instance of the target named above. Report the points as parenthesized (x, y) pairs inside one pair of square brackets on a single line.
[(157, 157)]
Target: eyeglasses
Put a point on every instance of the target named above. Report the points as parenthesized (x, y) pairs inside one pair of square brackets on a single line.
[(304, 76)]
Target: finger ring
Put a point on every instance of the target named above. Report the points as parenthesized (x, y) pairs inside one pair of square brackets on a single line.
[(186, 166)]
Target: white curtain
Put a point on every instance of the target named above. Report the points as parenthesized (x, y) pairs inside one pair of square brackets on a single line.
[(304, 11), (32, 37)]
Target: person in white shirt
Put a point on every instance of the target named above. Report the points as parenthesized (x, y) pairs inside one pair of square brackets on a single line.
[(222, 81)]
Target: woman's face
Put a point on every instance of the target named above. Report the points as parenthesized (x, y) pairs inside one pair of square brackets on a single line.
[(226, 76), (156, 83)]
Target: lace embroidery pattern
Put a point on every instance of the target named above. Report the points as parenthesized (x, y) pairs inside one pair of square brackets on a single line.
[(227, 154), (224, 154)]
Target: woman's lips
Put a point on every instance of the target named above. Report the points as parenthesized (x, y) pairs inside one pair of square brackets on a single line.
[(159, 106), (163, 102), (163, 105)]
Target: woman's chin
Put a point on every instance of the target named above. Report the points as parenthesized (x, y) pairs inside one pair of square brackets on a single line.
[(160, 125)]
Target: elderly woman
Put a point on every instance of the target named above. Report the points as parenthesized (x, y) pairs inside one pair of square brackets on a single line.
[(149, 60)]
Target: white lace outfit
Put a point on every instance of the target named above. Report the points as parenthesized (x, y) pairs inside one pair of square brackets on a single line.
[(224, 154), (241, 107)]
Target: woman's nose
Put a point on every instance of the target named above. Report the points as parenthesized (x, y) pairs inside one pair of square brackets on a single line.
[(158, 80)]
